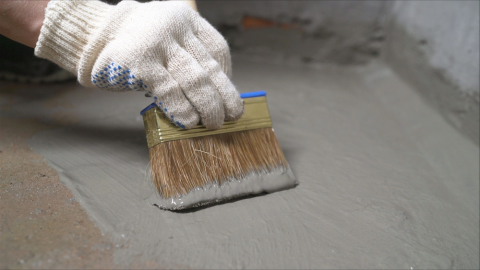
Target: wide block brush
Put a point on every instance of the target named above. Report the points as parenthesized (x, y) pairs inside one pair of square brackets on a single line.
[(199, 166)]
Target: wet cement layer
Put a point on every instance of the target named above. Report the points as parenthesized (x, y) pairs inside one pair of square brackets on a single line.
[(254, 183), (385, 182)]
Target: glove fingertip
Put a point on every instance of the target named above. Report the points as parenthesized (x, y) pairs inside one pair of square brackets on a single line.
[(235, 112), (215, 124)]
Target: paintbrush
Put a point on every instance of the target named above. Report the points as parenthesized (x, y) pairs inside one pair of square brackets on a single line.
[(197, 167)]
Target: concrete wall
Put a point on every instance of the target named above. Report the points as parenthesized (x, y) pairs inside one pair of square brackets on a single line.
[(448, 33), (312, 14), (434, 45)]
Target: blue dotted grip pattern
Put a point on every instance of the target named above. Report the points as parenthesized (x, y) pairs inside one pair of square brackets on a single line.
[(115, 77)]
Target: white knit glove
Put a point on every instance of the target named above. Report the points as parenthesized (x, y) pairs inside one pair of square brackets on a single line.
[(164, 48)]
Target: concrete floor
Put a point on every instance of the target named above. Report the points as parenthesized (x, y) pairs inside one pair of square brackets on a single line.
[(385, 182)]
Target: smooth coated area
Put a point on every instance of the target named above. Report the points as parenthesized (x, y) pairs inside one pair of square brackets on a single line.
[(385, 181)]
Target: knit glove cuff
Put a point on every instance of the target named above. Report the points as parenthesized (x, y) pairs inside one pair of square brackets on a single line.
[(67, 29)]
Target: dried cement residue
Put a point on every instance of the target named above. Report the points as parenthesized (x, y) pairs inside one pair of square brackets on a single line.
[(385, 182)]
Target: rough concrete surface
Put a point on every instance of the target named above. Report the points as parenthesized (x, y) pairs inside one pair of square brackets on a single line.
[(385, 182), (343, 44), (345, 32)]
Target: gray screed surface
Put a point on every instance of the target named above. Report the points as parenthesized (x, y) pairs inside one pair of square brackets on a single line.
[(385, 182)]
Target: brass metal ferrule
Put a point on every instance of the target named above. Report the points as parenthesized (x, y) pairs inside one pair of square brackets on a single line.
[(160, 129)]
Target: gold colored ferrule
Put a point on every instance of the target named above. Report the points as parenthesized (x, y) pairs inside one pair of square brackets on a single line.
[(160, 129)]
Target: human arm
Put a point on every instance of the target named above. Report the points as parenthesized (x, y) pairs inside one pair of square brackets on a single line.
[(22, 20)]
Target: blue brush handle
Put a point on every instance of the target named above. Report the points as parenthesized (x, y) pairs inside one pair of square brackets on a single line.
[(151, 106), (242, 95), (253, 94)]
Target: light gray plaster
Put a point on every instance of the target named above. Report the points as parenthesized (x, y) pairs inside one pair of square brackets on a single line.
[(385, 182)]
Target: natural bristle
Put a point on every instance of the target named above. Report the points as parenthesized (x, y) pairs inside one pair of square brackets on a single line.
[(178, 167)]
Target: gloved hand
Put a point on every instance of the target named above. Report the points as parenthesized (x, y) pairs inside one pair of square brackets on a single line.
[(164, 48)]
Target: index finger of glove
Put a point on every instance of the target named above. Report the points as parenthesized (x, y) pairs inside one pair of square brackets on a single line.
[(231, 98), (170, 99), (197, 86), (215, 44)]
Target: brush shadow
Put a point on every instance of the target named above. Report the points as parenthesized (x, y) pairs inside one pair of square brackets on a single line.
[(290, 155), (127, 144), (129, 137)]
